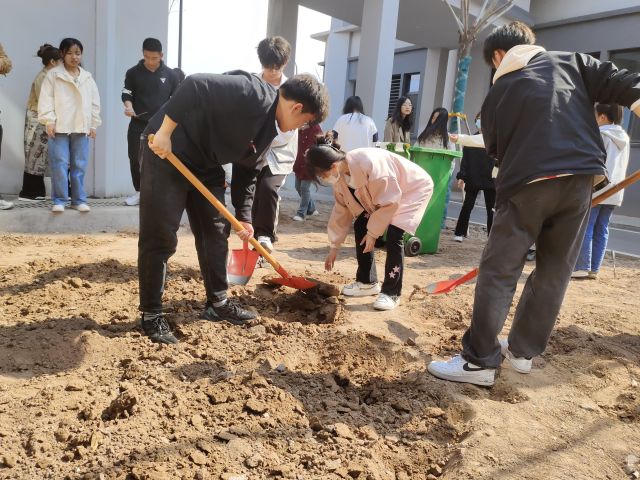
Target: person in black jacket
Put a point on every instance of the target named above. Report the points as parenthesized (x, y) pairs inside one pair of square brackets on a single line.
[(475, 175), (538, 121), (147, 86), (211, 120)]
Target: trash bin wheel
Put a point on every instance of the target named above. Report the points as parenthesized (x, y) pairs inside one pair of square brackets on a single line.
[(412, 247)]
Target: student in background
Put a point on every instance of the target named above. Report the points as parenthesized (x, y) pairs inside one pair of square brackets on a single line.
[(475, 175), (616, 143), (274, 54), (306, 139), (35, 134), (354, 128), (435, 134), (147, 86), (69, 106), (399, 124), (5, 67)]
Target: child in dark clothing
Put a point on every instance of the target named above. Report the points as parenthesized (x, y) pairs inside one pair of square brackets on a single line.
[(539, 104), (306, 139)]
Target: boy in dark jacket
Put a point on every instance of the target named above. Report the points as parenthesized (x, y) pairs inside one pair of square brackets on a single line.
[(475, 175), (538, 121), (211, 120)]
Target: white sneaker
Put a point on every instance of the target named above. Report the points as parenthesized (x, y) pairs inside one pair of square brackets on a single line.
[(359, 289), (27, 199), (133, 200), (580, 274), (266, 243), (519, 364), (315, 213), (57, 209), (4, 205), (298, 218), (81, 207), (458, 238), (457, 369), (386, 302)]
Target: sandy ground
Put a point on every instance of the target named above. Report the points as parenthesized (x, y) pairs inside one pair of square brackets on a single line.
[(315, 390)]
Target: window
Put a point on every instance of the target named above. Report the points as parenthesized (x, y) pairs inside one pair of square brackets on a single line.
[(394, 93), (411, 83), (629, 59)]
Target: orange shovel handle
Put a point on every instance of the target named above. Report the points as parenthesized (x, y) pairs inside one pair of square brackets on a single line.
[(237, 226)]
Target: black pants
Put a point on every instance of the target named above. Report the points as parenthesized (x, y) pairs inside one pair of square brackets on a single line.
[(136, 128), (164, 196), (32, 186), (264, 213), (394, 265), (471, 194), (553, 214)]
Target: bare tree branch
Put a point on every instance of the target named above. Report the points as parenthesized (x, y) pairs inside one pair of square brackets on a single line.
[(460, 27)]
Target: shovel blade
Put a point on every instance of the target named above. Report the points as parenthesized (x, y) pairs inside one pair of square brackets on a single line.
[(242, 262), (299, 283), (447, 286)]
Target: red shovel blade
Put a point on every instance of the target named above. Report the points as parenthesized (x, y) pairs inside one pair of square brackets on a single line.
[(242, 262), (299, 283), (447, 286)]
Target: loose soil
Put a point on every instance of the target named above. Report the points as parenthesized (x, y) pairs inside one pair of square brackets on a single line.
[(318, 388)]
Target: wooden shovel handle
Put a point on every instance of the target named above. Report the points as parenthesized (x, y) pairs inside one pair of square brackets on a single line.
[(237, 226), (634, 177)]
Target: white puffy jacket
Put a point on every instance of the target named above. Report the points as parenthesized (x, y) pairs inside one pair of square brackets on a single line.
[(72, 104)]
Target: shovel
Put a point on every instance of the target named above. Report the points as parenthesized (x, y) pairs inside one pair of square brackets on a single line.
[(242, 262), (447, 286), (243, 266)]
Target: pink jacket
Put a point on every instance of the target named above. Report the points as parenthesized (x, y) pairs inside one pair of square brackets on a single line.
[(393, 191)]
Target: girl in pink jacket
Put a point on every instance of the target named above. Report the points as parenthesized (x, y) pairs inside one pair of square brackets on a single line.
[(382, 191)]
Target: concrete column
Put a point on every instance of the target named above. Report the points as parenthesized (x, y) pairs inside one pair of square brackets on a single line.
[(450, 79), (335, 71), (282, 19), (375, 63), (429, 98)]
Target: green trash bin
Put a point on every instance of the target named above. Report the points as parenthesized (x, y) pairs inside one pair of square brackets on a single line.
[(398, 148), (437, 163)]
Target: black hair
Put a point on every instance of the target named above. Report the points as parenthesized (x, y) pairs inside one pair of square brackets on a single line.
[(307, 90), (507, 37), (274, 52), (353, 104), (179, 74), (67, 43), (396, 116), (321, 157), (612, 111), (438, 128), (152, 45), (47, 53)]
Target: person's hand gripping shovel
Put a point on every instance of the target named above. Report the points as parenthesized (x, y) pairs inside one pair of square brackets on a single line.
[(242, 262)]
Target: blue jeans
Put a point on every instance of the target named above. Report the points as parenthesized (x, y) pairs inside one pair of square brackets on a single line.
[(68, 151), (307, 205), (595, 239)]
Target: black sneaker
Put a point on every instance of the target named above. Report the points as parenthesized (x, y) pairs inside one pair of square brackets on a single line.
[(230, 312), (157, 329)]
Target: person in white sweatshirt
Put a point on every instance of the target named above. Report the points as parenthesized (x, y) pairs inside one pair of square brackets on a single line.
[(616, 143), (69, 107)]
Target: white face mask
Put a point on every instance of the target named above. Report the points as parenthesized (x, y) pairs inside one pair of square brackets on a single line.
[(478, 123), (331, 180)]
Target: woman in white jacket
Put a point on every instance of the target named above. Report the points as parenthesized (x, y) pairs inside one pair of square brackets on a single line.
[(616, 143), (69, 106)]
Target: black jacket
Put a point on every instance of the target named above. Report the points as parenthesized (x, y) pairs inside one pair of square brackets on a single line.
[(228, 118), (148, 90), (539, 121), (476, 168)]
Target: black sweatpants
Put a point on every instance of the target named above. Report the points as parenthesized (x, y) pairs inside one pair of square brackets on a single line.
[(136, 127), (164, 196), (264, 213), (471, 194), (554, 214), (394, 265)]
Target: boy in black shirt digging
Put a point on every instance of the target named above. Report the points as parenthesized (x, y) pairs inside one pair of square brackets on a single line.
[(211, 120)]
